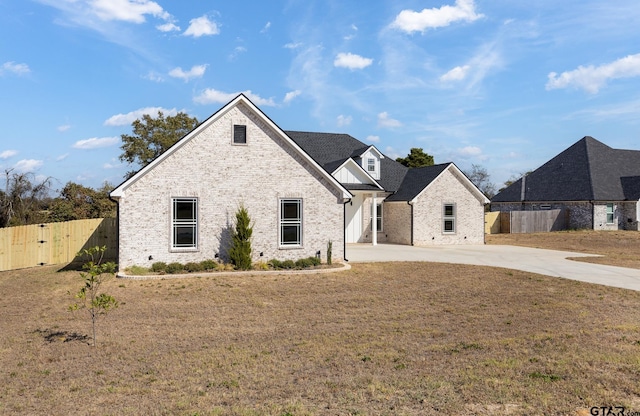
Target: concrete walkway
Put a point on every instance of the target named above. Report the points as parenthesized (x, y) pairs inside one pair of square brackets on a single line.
[(547, 262)]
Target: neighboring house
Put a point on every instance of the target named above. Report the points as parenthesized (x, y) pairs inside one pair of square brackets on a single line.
[(301, 190), (597, 185)]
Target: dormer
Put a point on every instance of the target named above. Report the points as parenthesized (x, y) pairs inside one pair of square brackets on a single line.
[(369, 158)]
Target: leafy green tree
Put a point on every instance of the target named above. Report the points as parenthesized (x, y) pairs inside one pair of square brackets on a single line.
[(89, 296), (22, 201), (240, 251), (78, 202), (416, 158), (152, 136)]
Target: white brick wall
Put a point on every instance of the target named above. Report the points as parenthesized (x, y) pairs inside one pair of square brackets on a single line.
[(428, 221), (222, 176)]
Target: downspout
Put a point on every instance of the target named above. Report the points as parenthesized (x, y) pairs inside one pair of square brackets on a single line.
[(411, 223), (344, 229)]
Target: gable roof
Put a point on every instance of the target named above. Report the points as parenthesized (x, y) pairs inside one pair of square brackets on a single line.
[(330, 150), (588, 170), (417, 180), (240, 99)]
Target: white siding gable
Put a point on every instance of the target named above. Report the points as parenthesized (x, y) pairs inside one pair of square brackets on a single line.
[(350, 172), (370, 162)]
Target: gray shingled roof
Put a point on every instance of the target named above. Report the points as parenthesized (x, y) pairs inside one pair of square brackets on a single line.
[(588, 170), (330, 150), (416, 180)]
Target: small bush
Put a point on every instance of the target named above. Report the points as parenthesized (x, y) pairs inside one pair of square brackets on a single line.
[(275, 263), (192, 267), (175, 267), (288, 264), (209, 264), (137, 270), (304, 263), (159, 267), (260, 265), (315, 261)]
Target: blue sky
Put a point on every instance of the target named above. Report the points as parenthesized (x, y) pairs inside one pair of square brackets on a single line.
[(500, 83)]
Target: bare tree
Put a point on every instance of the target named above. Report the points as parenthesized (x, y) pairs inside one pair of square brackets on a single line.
[(20, 202)]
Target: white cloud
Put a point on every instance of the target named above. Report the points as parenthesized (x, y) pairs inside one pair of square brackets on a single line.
[(62, 157), (14, 68), (201, 26), (127, 10), (291, 95), (127, 119), (237, 51), (391, 152), (154, 76), (114, 164), (28, 165), (293, 45), (470, 151), (592, 78), (6, 154), (168, 27), (210, 96), (64, 128), (344, 120), (96, 142), (196, 71), (266, 27), (351, 61), (411, 21), (385, 121), (372, 139), (456, 74)]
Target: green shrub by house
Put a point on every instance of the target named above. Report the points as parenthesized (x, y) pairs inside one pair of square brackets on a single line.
[(240, 252)]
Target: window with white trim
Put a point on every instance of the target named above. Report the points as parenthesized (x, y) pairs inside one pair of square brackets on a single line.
[(610, 212), (378, 217), (239, 134), (184, 223), (449, 218), (371, 165), (291, 222)]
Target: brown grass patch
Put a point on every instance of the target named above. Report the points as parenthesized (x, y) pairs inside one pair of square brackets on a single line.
[(619, 248), (395, 339)]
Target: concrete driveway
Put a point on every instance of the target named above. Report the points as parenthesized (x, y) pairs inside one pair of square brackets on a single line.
[(548, 262)]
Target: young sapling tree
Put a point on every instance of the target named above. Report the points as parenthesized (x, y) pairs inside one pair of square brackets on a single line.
[(89, 297)]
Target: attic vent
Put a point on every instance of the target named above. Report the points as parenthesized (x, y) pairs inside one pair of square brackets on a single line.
[(239, 134)]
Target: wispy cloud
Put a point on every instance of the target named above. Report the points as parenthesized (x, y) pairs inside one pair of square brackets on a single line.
[(293, 45), (27, 165), (592, 78), (96, 142), (132, 11), (211, 96), (266, 27), (64, 128), (196, 71), (202, 26), (343, 120), (351, 61), (168, 27), (291, 95), (6, 154), (372, 139), (14, 68), (130, 117), (456, 74), (387, 122), (411, 21)]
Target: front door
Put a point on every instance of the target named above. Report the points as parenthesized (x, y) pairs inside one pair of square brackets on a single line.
[(353, 233)]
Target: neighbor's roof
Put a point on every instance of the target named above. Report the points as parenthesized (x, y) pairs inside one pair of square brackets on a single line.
[(588, 170)]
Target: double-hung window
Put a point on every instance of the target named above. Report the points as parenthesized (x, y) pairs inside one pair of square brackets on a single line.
[(291, 222), (610, 212), (449, 218), (371, 165), (378, 217), (184, 223)]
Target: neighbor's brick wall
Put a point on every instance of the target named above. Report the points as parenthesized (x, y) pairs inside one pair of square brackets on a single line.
[(448, 188), (397, 222), (222, 176), (630, 215)]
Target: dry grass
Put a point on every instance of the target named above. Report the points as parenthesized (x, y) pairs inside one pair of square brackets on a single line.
[(619, 248), (384, 339)]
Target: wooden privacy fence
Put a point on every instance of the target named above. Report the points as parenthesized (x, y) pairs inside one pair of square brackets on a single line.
[(56, 242), (538, 221)]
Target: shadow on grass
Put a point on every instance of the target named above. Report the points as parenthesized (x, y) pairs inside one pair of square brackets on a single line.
[(51, 336)]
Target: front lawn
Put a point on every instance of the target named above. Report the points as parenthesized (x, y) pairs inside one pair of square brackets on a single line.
[(394, 339)]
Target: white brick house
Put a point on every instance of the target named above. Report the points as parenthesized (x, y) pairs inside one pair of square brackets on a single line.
[(301, 190)]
